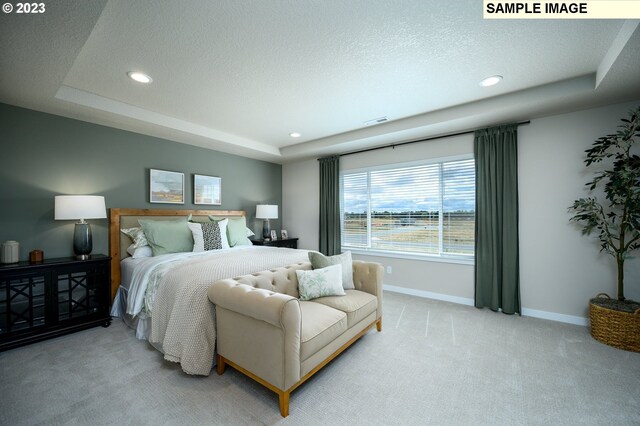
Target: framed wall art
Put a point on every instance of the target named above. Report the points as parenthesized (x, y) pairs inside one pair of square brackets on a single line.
[(207, 190), (166, 187)]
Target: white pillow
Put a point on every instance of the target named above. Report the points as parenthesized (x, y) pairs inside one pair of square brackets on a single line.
[(138, 252), (320, 282), (198, 238), (223, 232), (250, 233)]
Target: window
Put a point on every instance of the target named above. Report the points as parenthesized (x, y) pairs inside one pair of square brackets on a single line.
[(423, 209)]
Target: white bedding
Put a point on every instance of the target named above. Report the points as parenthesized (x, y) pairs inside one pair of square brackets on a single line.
[(174, 288), (147, 275)]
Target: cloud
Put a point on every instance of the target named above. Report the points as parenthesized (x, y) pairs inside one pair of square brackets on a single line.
[(415, 188)]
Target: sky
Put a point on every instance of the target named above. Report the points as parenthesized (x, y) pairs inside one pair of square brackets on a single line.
[(412, 188)]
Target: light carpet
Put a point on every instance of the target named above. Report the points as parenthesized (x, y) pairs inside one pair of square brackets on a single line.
[(435, 363)]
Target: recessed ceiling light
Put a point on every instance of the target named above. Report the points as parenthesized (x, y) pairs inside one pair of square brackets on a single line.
[(140, 77), (295, 135), (490, 81)]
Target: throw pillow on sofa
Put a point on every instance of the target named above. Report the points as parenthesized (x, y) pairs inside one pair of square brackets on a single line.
[(319, 260), (320, 282)]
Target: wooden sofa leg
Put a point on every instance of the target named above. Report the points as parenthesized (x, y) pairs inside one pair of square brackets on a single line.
[(284, 403), (379, 324), (220, 366)]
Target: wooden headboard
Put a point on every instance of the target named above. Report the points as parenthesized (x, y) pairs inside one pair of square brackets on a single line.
[(127, 218)]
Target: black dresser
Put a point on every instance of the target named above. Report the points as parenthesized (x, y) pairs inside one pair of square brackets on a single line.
[(55, 297)]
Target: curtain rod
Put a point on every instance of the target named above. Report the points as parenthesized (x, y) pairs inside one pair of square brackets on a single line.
[(393, 145)]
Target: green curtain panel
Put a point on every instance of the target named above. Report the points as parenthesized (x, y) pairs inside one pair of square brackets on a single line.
[(497, 271), (330, 205)]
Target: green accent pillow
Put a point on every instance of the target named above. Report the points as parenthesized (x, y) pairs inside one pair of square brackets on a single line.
[(320, 282), (319, 260), (237, 232), (167, 236)]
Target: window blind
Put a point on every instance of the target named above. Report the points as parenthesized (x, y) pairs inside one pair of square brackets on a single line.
[(419, 209)]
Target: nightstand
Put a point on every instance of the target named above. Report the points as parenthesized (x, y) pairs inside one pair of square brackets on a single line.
[(51, 298), (286, 242)]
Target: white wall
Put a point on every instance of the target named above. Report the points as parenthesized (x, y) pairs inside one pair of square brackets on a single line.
[(559, 268), (301, 202)]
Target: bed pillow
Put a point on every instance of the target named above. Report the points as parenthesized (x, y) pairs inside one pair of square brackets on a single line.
[(237, 232), (319, 260), (137, 253), (167, 236), (211, 236), (320, 282), (137, 236), (222, 223), (196, 233)]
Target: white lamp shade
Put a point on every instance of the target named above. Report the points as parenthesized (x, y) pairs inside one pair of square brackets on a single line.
[(72, 207), (266, 211)]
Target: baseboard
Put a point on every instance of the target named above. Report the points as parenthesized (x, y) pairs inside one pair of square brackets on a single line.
[(553, 316), (428, 294)]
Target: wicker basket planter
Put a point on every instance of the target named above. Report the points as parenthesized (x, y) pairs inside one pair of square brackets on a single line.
[(614, 327)]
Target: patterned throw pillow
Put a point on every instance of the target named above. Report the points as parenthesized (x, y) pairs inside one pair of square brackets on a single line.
[(211, 236), (319, 260), (137, 236), (320, 282)]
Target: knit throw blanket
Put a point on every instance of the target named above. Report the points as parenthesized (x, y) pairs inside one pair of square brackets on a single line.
[(183, 319)]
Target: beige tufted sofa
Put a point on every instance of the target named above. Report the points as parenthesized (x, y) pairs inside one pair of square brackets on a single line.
[(265, 332)]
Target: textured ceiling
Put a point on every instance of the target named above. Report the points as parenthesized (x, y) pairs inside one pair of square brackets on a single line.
[(239, 76)]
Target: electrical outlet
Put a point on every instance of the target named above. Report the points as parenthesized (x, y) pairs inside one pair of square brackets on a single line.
[(389, 269)]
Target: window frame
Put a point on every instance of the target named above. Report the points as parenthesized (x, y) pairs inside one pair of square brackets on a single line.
[(432, 257)]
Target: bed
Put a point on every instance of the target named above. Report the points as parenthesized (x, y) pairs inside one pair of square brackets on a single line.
[(164, 298)]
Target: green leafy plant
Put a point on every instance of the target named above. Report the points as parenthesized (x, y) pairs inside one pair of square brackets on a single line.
[(617, 220)]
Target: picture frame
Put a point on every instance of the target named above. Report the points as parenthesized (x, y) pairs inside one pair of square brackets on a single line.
[(166, 187), (207, 190), (284, 234), (274, 235)]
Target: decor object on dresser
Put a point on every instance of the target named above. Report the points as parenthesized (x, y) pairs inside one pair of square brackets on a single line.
[(207, 190), (166, 187), (10, 252), (280, 341), (284, 234), (74, 207), (266, 212), (51, 298), (617, 223)]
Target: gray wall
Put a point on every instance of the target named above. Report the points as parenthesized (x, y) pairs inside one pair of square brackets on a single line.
[(43, 155)]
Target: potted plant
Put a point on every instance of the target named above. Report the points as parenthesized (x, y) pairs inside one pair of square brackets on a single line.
[(616, 221)]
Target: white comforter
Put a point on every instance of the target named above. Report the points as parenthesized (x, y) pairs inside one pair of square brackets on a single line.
[(173, 288)]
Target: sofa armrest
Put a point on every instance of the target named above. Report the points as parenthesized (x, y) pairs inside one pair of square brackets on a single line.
[(258, 330), (277, 309), (367, 276)]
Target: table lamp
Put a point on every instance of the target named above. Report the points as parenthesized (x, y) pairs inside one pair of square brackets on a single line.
[(266, 212), (80, 207)]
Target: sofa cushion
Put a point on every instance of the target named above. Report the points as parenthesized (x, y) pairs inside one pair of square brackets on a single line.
[(321, 324), (356, 304)]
